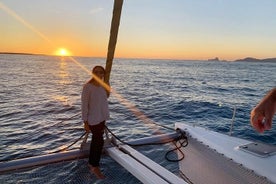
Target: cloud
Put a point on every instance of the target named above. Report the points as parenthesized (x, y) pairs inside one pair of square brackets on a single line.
[(95, 10)]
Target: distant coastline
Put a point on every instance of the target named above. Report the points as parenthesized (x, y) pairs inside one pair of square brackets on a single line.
[(21, 53), (250, 59), (247, 59)]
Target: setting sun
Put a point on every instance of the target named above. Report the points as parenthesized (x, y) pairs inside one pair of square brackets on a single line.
[(62, 52)]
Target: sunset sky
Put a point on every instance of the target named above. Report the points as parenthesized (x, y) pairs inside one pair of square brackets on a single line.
[(169, 29)]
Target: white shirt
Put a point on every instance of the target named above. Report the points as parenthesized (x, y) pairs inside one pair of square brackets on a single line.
[(94, 104)]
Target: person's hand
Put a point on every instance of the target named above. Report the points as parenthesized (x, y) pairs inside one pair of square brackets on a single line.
[(86, 126), (261, 119), (262, 114)]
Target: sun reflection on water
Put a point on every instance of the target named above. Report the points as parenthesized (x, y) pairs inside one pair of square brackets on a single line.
[(63, 73)]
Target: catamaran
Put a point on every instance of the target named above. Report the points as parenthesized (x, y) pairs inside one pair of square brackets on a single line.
[(210, 157)]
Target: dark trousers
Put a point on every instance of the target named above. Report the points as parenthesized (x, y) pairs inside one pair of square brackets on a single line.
[(97, 143)]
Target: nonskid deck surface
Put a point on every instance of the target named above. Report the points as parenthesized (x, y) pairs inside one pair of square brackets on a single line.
[(205, 164)]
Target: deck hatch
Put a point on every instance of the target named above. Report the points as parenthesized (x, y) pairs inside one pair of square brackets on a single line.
[(259, 149)]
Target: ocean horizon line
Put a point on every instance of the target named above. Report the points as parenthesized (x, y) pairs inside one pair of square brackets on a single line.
[(246, 59)]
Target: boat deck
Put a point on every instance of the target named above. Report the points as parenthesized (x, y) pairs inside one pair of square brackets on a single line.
[(74, 172), (202, 163), (205, 163)]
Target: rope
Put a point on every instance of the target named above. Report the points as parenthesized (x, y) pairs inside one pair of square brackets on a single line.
[(67, 147), (182, 143)]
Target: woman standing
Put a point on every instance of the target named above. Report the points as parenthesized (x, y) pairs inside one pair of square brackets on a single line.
[(94, 114)]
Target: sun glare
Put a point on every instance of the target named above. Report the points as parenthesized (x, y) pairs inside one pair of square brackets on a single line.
[(62, 52)]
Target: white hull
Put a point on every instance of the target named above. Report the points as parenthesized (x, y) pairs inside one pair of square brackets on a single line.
[(198, 166), (143, 168), (42, 160), (228, 147)]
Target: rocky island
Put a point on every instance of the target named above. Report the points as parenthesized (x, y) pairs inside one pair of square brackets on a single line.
[(250, 59)]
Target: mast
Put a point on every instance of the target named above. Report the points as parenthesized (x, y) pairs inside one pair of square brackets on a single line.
[(117, 8)]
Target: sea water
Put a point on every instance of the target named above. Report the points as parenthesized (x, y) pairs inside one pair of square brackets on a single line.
[(40, 107)]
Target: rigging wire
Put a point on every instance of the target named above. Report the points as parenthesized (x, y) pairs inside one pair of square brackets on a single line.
[(63, 149), (51, 126), (60, 150), (67, 147)]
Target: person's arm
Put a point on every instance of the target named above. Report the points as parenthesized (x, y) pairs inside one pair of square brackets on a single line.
[(262, 114), (84, 107)]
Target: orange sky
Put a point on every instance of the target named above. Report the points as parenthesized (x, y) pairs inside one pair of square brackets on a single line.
[(178, 30)]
